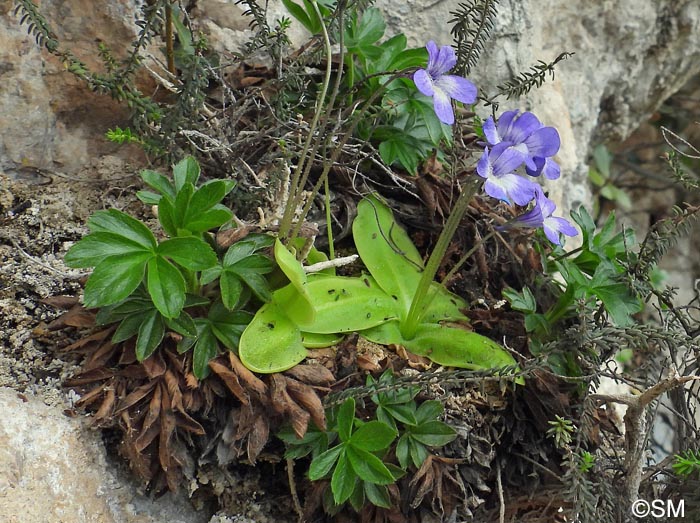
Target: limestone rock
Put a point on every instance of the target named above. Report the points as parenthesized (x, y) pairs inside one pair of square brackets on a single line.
[(52, 469), (50, 118)]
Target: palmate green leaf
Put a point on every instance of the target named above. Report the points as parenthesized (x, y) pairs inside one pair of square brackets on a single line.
[(357, 498), (115, 278), (148, 197), (166, 287), (231, 288), (97, 246), (343, 480), (205, 348), (159, 182), (182, 202), (387, 252), (433, 433), (238, 251), (403, 413), (228, 326), (121, 224), (150, 335), (419, 453), (166, 216), (271, 342), (128, 328), (345, 419), (615, 295), (373, 436), (191, 253), (403, 450), (523, 301), (207, 220), (344, 304), (185, 171), (368, 30), (429, 411), (323, 463), (368, 466), (183, 324)]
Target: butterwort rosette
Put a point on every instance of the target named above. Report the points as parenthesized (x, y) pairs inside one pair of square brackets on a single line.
[(442, 87), (526, 135), (497, 167), (540, 216)]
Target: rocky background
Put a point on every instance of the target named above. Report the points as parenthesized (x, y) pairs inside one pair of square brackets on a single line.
[(630, 57)]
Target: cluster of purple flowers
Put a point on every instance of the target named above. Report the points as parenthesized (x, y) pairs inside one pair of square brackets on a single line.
[(513, 142)]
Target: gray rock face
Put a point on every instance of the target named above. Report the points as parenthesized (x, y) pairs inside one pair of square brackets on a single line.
[(50, 120), (52, 469)]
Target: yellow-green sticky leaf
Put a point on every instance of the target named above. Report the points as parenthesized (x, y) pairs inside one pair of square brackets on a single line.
[(271, 342), (447, 346), (344, 304), (313, 340), (387, 251), (293, 270)]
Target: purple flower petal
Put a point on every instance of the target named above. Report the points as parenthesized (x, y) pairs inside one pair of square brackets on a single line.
[(443, 106), (504, 122), (458, 88), (561, 225), (532, 218), (520, 128), (505, 159), (551, 169), (543, 142), (490, 131), (546, 166), (514, 187), (423, 82), (483, 167), (446, 60), (433, 54)]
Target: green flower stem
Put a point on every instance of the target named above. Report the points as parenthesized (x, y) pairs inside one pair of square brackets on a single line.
[(329, 221), (409, 327), (295, 186)]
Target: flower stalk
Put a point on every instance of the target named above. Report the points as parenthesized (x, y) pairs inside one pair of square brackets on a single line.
[(420, 299)]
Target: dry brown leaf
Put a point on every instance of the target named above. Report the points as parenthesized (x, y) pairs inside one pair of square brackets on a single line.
[(134, 397), (100, 357), (168, 424), (154, 406), (231, 381), (312, 374), (258, 437), (147, 437), (154, 365), (89, 398), (283, 403), (107, 406), (96, 338), (173, 386), (251, 381), (77, 316), (60, 302), (87, 377), (305, 396)]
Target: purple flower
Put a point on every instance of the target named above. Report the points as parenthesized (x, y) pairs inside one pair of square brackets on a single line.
[(497, 167), (541, 216), (443, 87), (528, 136)]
